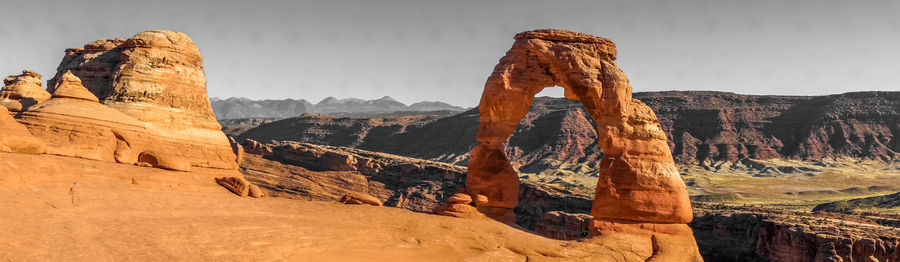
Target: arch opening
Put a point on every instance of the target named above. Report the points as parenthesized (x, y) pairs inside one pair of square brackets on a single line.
[(149, 158)]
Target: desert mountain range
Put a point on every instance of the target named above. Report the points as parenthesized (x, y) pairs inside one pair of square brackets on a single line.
[(233, 108)]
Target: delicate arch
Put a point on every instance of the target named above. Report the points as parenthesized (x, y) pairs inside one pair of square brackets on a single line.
[(638, 180)]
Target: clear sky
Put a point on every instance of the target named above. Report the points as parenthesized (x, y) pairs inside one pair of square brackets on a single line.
[(444, 50)]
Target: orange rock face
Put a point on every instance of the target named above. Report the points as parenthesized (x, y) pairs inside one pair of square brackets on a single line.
[(156, 78), (74, 123), (15, 138), (22, 91), (639, 189)]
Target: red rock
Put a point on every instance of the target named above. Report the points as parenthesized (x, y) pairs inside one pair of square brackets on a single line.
[(481, 200), (22, 91), (458, 210), (256, 148), (357, 198), (638, 183), (14, 137), (564, 226), (237, 149), (70, 86), (157, 78), (460, 198), (165, 160), (256, 192), (237, 185)]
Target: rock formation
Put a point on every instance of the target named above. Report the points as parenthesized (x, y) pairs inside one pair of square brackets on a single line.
[(15, 138), (640, 195), (237, 149), (74, 123), (253, 147), (562, 225), (157, 78), (736, 233), (458, 205), (237, 185), (356, 198), (22, 91)]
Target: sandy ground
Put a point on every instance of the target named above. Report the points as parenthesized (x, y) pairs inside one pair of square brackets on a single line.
[(67, 209)]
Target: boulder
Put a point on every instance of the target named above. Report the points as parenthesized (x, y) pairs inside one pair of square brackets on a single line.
[(460, 198), (357, 198), (237, 185), (458, 210), (256, 192), (253, 147), (22, 91)]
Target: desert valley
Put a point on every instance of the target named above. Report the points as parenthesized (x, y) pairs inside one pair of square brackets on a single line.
[(122, 154)]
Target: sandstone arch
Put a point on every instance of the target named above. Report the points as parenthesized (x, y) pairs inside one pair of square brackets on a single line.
[(638, 181)]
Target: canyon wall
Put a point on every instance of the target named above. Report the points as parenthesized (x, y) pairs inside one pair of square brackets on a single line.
[(704, 128)]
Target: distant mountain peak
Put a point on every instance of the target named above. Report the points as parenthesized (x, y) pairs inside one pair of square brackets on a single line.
[(387, 98), (328, 100)]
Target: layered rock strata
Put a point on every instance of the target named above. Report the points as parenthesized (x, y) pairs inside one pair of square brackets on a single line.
[(22, 91), (639, 194), (74, 123), (156, 78), (737, 233)]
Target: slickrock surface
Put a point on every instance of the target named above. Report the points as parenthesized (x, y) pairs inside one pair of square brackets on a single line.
[(430, 184), (314, 172), (22, 91), (640, 195), (63, 208), (14, 137), (157, 78)]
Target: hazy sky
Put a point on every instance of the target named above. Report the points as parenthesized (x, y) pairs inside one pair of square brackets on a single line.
[(444, 50)]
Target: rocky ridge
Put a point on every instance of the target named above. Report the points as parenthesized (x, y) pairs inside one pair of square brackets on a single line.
[(716, 130)]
